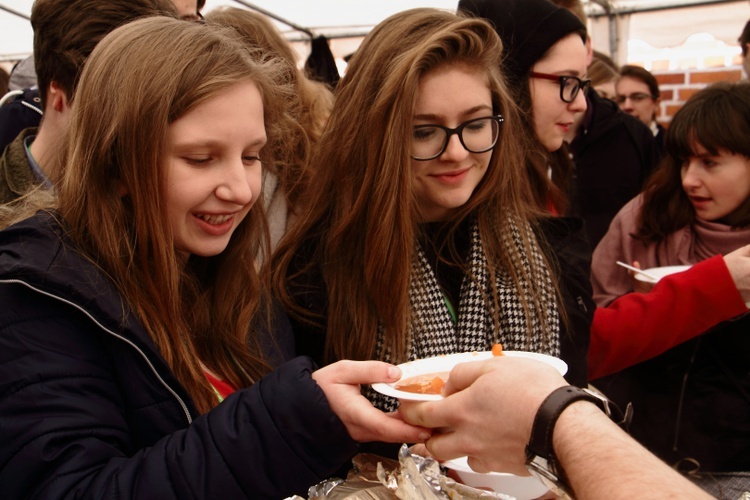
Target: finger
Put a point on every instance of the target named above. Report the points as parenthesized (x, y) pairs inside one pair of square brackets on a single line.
[(445, 446), (398, 431), (375, 425), (419, 449), (463, 375), (430, 414), (360, 372)]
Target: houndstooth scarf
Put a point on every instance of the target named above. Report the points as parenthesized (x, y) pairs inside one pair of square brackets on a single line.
[(433, 331)]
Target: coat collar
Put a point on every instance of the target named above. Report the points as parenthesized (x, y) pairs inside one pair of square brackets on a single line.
[(37, 253)]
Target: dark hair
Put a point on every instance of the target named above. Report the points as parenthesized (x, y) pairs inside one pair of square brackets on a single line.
[(574, 6), (4, 79), (643, 75), (744, 39), (66, 31), (528, 29), (716, 118)]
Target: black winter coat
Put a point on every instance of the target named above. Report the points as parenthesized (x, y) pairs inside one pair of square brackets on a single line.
[(691, 405), (613, 153), (90, 409)]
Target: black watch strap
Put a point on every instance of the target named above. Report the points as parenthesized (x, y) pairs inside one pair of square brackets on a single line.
[(540, 443)]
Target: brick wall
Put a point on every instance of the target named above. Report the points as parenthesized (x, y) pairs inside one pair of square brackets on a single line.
[(677, 86)]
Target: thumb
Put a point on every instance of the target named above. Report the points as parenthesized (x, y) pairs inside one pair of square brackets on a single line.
[(463, 375)]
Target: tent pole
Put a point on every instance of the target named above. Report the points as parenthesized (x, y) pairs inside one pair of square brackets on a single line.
[(614, 35), (15, 13)]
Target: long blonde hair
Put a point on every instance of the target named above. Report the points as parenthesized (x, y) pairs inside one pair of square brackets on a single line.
[(140, 79), (362, 217)]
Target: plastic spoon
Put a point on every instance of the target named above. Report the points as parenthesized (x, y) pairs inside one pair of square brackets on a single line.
[(639, 271)]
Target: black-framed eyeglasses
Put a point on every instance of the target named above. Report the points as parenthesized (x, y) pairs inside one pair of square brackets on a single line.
[(634, 97), (569, 85), (478, 135)]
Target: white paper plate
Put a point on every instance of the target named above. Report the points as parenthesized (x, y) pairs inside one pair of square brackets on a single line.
[(444, 364), (660, 272)]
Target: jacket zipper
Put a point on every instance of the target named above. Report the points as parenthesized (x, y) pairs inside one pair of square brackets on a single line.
[(127, 341)]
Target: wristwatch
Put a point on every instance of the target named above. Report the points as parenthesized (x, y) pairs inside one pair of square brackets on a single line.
[(540, 456)]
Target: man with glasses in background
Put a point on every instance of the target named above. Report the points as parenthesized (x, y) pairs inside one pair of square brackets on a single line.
[(637, 94)]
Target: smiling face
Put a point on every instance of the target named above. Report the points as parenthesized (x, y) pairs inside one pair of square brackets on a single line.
[(214, 173), (449, 96), (717, 185), (551, 116)]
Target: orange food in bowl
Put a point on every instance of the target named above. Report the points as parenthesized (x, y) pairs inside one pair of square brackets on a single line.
[(497, 350), (422, 384)]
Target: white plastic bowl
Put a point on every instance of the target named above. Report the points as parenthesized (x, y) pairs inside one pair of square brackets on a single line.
[(521, 487), (660, 272)]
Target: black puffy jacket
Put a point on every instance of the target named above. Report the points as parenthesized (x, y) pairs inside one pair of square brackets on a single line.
[(613, 153), (90, 409)]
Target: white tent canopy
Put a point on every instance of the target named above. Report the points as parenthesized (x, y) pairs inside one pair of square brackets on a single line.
[(659, 23), (664, 23)]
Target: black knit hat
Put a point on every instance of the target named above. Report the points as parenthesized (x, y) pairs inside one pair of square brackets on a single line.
[(528, 28)]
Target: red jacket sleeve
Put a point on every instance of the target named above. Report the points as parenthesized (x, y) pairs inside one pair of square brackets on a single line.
[(639, 326)]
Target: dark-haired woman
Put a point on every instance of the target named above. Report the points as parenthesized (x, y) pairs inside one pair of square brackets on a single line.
[(692, 403)]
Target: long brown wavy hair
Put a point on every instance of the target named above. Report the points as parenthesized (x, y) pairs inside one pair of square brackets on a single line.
[(140, 79), (311, 103), (717, 118), (362, 217)]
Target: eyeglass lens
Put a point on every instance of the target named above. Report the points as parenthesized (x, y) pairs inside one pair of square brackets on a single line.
[(477, 136), (635, 97), (570, 86)]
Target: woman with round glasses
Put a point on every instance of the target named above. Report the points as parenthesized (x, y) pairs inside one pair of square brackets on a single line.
[(544, 61), (545, 64), (421, 236)]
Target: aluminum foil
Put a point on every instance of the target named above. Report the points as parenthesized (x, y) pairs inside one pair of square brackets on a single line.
[(411, 477)]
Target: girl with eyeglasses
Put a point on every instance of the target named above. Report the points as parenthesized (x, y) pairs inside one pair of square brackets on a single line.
[(691, 400), (590, 159), (544, 62), (135, 356), (545, 65), (420, 236)]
